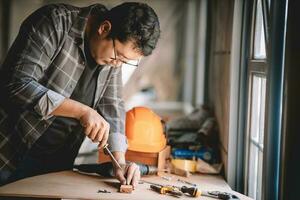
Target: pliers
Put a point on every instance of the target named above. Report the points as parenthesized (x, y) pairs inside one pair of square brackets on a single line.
[(221, 195)]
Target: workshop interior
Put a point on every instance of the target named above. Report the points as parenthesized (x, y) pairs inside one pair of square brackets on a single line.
[(213, 112)]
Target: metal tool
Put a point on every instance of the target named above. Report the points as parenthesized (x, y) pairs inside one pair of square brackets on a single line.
[(186, 182), (103, 191), (168, 178), (149, 182), (113, 159), (220, 195), (192, 191), (166, 190)]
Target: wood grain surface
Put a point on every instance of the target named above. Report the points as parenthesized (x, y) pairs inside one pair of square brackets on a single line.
[(74, 185)]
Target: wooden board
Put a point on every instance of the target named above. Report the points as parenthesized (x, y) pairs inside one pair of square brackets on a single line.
[(73, 185), (126, 188), (156, 159)]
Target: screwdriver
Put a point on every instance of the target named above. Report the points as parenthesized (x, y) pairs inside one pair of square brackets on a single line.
[(113, 159), (193, 191), (166, 190), (221, 195), (112, 156)]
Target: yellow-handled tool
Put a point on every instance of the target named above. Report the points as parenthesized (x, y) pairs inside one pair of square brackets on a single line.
[(192, 191), (166, 190)]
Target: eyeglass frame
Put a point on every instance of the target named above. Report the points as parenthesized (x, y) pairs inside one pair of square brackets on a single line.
[(124, 62)]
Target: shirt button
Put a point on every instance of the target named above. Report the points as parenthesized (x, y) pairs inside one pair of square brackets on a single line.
[(82, 62), (45, 125), (71, 86)]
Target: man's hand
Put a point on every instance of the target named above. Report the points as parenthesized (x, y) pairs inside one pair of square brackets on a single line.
[(95, 126), (130, 172)]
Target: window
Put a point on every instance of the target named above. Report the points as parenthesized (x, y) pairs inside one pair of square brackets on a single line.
[(259, 34), (256, 114), (256, 134)]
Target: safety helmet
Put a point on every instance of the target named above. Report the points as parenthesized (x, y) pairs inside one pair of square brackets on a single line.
[(144, 131)]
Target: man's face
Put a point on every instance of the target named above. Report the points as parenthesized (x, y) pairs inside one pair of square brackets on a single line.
[(107, 51)]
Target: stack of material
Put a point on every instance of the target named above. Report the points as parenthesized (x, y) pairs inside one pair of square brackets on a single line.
[(194, 142)]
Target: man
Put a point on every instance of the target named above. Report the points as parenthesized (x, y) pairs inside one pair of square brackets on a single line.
[(61, 81)]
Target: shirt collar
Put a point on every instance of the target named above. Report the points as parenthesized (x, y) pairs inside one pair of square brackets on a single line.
[(78, 28)]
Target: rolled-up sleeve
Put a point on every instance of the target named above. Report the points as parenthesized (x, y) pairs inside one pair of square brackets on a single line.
[(111, 107), (28, 59), (48, 103)]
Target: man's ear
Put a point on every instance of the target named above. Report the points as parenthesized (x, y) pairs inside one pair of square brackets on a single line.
[(104, 29)]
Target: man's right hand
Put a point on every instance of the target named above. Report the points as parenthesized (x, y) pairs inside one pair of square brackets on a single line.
[(95, 126)]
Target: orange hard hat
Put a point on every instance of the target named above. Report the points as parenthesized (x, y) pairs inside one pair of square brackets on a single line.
[(144, 131)]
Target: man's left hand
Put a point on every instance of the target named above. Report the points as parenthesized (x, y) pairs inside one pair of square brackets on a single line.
[(129, 174)]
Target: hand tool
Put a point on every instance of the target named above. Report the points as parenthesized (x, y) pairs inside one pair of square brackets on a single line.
[(106, 169), (186, 182), (113, 159), (220, 195), (166, 190), (149, 182), (192, 191), (195, 192), (168, 178), (103, 191)]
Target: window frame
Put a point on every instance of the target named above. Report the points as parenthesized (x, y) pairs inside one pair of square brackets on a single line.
[(254, 66), (275, 47)]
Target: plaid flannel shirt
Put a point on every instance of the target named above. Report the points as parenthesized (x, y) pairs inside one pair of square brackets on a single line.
[(41, 69)]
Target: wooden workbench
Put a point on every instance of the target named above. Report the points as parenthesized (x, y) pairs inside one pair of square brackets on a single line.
[(73, 185)]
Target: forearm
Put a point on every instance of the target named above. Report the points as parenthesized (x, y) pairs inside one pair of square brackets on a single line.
[(70, 108)]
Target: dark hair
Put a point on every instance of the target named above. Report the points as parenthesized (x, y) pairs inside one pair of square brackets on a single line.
[(136, 22)]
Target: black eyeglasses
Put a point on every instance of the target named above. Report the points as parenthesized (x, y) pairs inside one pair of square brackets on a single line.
[(134, 63)]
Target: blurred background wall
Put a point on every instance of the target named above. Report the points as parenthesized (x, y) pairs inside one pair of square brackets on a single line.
[(159, 74)]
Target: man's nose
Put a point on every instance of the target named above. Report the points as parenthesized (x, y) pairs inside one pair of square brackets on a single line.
[(116, 63)]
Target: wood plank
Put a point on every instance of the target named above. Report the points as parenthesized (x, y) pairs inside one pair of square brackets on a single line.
[(126, 188), (73, 185), (157, 159)]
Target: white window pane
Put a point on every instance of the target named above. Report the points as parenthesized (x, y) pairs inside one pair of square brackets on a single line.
[(259, 36), (252, 173), (257, 121), (259, 176), (254, 131), (258, 96), (262, 110)]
